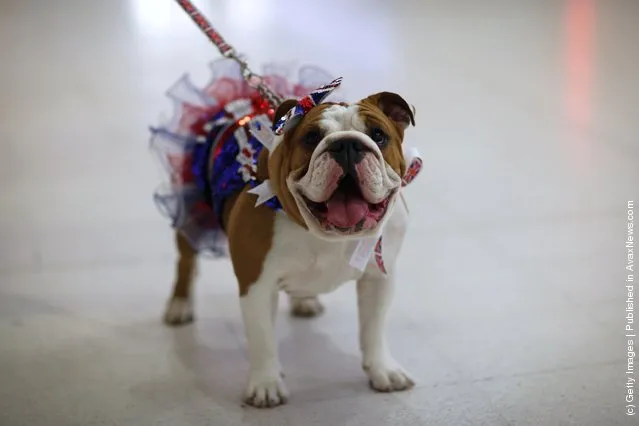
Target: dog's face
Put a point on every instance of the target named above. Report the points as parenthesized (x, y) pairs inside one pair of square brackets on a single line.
[(339, 171)]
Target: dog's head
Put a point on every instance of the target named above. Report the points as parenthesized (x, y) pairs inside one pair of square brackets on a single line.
[(339, 170)]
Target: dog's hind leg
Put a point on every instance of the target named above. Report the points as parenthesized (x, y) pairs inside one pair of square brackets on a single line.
[(306, 307), (179, 309)]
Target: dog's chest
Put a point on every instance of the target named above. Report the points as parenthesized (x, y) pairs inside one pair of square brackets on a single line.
[(307, 265)]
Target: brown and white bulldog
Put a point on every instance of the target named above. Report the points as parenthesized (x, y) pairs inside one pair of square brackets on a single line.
[(338, 176)]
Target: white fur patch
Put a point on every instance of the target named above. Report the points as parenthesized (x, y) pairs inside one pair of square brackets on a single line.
[(179, 311), (304, 266), (339, 117), (265, 387), (306, 306)]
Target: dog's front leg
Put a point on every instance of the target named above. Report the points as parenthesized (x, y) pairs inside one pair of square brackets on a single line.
[(374, 295), (265, 386)]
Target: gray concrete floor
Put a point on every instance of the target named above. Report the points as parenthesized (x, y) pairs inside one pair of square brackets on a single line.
[(510, 308)]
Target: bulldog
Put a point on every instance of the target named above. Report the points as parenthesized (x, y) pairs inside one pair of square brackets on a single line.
[(336, 177)]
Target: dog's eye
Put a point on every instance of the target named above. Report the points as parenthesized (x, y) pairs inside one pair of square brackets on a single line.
[(378, 136), (312, 138)]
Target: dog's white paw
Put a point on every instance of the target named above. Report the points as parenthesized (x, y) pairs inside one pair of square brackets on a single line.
[(179, 311), (266, 390), (388, 376), (306, 307)]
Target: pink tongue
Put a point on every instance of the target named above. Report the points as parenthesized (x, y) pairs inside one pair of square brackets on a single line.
[(345, 211)]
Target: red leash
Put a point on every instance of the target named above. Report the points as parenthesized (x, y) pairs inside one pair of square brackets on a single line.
[(254, 80)]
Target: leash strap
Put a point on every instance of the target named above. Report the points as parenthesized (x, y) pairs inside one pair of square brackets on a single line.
[(254, 80)]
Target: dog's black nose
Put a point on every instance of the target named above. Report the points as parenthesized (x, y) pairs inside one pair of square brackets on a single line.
[(347, 152)]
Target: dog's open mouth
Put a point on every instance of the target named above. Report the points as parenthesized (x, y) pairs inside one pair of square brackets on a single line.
[(346, 211)]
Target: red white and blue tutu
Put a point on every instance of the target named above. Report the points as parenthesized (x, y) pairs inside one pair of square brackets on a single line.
[(207, 150)]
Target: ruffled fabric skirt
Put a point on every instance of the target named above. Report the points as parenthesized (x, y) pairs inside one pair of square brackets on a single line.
[(207, 150)]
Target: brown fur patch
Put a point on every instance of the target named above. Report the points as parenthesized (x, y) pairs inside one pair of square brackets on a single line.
[(185, 268), (262, 165), (291, 154), (250, 228), (250, 235), (372, 111)]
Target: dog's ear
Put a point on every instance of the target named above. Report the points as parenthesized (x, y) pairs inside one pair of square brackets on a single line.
[(283, 109), (395, 107), (262, 159)]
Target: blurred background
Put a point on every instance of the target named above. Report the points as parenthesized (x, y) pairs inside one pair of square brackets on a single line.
[(511, 297)]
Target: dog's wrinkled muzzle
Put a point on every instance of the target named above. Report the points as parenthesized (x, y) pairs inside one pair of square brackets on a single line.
[(348, 152), (348, 186)]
